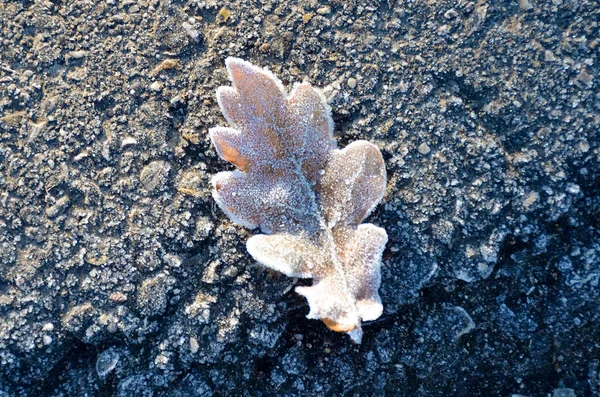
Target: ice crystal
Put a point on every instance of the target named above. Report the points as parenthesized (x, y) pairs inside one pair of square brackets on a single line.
[(307, 197)]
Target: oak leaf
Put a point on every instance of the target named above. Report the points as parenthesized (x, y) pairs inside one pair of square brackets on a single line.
[(307, 197)]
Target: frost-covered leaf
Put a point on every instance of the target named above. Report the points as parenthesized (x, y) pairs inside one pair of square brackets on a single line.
[(353, 183), (292, 255), (307, 196)]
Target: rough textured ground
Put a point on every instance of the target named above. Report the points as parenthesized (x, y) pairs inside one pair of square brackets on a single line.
[(118, 276)]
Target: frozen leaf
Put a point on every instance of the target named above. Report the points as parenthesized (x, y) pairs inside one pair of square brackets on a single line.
[(292, 255), (353, 183), (307, 196)]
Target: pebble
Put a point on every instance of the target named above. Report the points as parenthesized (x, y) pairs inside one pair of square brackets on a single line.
[(80, 156), (225, 14), (58, 207), (584, 147), (191, 31), (177, 99), (549, 56), (154, 175), (194, 346), (307, 17), (563, 392), (118, 297), (107, 361), (450, 14), (161, 359), (156, 86), (530, 199), (129, 141), (573, 188), (352, 82), (324, 10), (76, 55), (525, 5), (424, 148), (585, 77)]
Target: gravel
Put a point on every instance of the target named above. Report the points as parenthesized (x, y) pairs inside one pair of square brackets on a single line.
[(120, 277)]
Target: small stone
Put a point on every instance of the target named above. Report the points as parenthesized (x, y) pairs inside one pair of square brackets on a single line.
[(76, 55), (154, 175), (191, 31), (103, 319), (78, 74), (549, 56), (424, 149), (161, 359), (530, 199), (225, 14), (324, 10), (307, 17), (58, 207), (585, 78), (156, 86), (563, 392), (48, 327), (204, 226), (264, 47), (136, 89), (194, 346), (177, 99), (128, 141), (352, 82), (450, 14), (573, 188), (525, 5), (444, 30), (118, 297), (107, 361), (47, 340), (152, 295), (80, 156)]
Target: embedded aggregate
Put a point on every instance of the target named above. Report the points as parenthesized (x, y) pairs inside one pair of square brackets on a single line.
[(119, 276)]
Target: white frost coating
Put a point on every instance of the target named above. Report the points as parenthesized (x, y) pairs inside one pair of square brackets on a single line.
[(307, 196)]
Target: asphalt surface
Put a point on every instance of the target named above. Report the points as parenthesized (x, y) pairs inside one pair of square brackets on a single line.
[(120, 277)]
